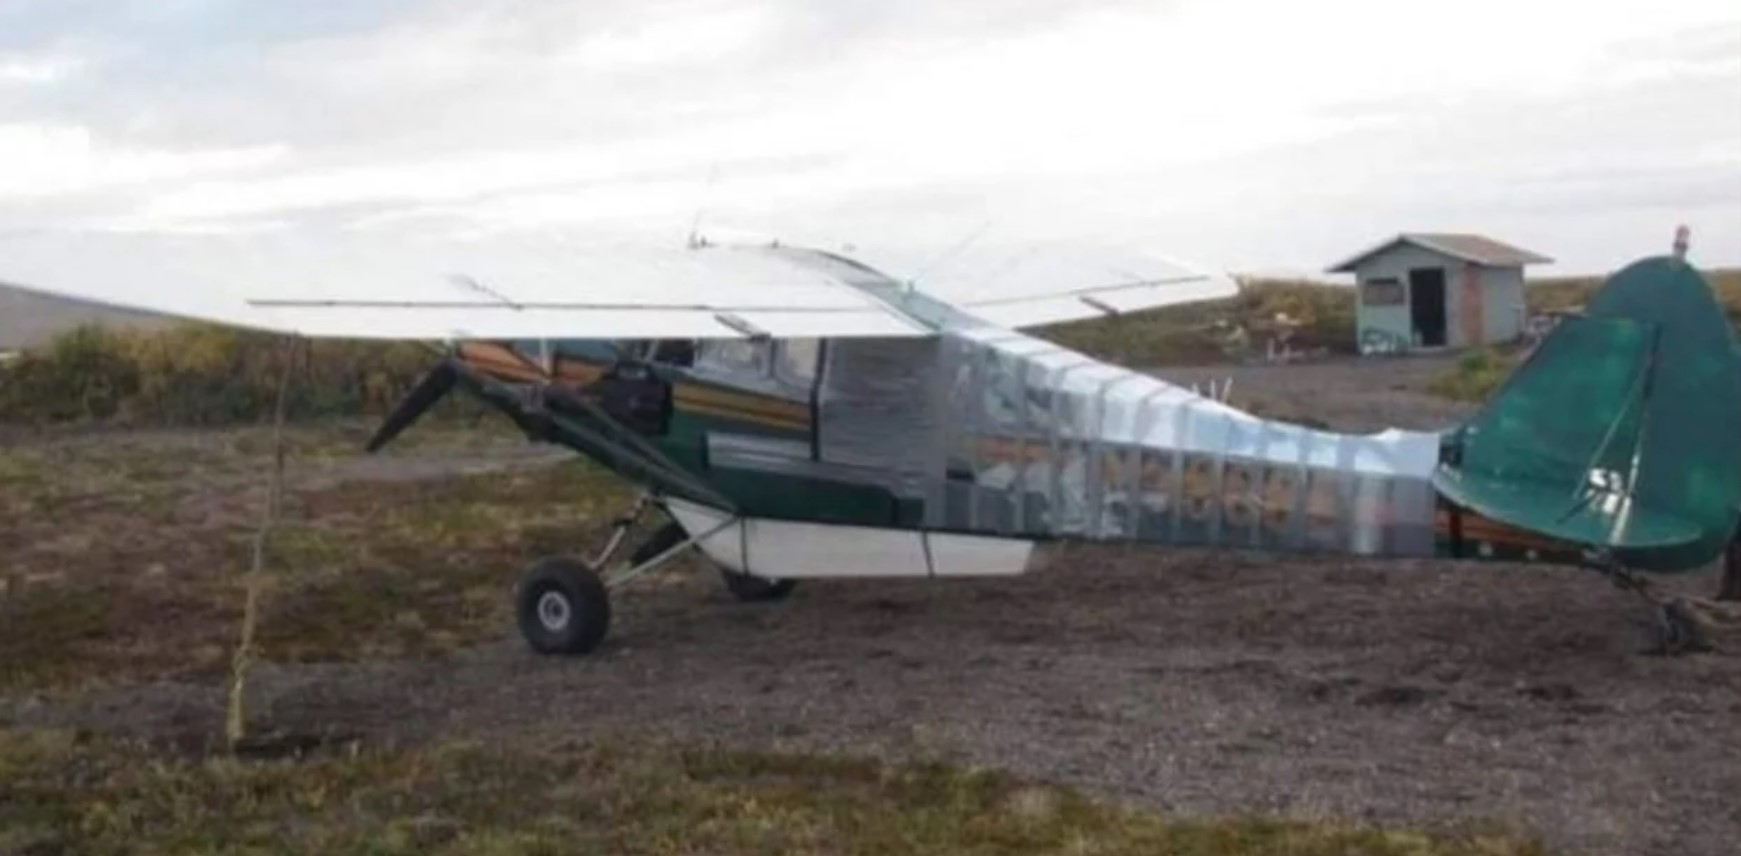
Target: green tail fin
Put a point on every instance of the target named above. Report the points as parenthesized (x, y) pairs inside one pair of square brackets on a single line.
[(1622, 432)]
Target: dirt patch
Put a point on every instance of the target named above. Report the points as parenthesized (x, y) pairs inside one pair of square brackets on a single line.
[(1191, 682), (1347, 394)]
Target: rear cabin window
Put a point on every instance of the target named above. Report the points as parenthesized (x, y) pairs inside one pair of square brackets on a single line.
[(796, 360)]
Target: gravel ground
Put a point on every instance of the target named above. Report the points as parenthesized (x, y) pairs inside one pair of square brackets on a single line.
[(1420, 692)]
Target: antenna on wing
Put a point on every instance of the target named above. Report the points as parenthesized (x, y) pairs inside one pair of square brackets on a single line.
[(953, 250), (696, 241)]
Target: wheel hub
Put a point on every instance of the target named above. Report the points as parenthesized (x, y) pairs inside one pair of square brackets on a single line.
[(554, 611)]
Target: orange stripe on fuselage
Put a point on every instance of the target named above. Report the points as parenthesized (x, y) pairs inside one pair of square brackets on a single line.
[(768, 407), (498, 362)]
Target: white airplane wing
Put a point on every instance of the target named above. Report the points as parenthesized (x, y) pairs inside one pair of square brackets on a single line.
[(377, 286), (1028, 285)]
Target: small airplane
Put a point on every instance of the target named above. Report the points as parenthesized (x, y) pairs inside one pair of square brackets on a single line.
[(801, 413)]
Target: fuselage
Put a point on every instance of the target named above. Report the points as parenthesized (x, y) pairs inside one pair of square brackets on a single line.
[(990, 432)]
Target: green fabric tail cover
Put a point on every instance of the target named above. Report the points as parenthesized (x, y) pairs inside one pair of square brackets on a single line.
[(1623, 431)]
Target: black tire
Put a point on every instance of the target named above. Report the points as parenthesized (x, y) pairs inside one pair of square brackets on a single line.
[(562, 607), (752, 588), (667, 536)]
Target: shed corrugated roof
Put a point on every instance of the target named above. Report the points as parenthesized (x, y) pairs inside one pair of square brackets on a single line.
[(1478, 249)]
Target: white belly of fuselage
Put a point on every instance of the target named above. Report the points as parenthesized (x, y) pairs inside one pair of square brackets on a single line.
[(784, 549)]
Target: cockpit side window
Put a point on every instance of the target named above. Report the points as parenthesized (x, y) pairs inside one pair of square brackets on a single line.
[(667, 352), (674, 352), (743, 359)]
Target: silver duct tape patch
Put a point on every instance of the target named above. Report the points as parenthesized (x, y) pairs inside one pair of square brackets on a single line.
[(1002, 434), (1058, 445), (876, 409)]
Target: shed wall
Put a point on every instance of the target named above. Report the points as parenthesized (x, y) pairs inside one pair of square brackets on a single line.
[(1504, 308)]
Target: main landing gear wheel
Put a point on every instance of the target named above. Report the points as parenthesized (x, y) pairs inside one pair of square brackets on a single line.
[(562, 607), (750, 588)]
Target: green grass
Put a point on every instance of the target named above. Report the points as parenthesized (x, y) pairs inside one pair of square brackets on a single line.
[(1474, 376), (63, 793), (122, 561), (199, 374)]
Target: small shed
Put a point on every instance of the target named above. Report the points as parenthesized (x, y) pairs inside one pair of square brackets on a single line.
[(1436, 290)]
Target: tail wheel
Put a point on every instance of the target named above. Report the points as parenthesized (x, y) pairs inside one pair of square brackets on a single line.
[(562, 607), (752, 588)]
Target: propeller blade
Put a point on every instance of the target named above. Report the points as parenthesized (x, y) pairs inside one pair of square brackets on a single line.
[(438, 383)]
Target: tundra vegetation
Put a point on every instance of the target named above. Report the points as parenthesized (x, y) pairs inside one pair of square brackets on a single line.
[(66, 792)]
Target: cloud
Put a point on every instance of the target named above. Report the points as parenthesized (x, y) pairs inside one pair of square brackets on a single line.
[(1279, 133), (703, 35), (37, 69), (38, 161)]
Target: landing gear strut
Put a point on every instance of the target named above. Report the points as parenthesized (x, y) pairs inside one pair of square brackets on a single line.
[(745, 587), (562, 604)]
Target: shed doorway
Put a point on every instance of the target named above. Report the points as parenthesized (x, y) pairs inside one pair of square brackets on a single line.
[(1427, 305)]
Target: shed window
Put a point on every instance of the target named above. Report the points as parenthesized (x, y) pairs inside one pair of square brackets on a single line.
[(1382, 292)]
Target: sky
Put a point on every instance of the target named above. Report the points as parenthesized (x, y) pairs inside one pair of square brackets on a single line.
[(1246, 135)]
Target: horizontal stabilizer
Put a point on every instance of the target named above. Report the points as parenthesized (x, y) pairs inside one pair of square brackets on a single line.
[(1597, 519)]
